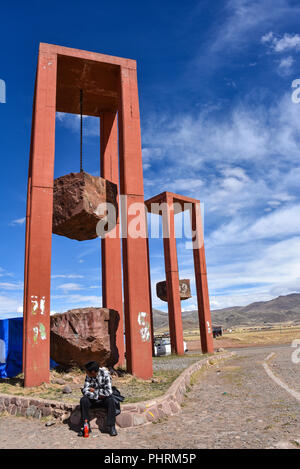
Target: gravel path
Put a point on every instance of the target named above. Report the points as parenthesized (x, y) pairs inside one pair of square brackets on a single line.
[(177, 362), (233, 405)]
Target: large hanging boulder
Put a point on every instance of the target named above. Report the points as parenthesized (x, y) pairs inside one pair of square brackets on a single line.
[(184, 290), (76, 197), (82, 335)]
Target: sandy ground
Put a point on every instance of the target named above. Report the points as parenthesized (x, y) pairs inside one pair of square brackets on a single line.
[(227, 343), (194, 345), (234, 404)]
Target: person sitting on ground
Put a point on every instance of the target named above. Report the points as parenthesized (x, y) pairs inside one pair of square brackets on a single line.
[(97, 392)]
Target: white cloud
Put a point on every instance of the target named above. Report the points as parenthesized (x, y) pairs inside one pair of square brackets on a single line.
[(237, 27), (266, 267), (239, 166), (185, 184), (241, 297), (67, 276), (70, 287), (242, 18), (251, 134), (92, 249), (90, 125), (11, 285), (72, 300), (249, 177), (282, 222), (9, 304), (287, 42), (285, 65), (5, 273), (268, 37), (190, 307), (240, 163)]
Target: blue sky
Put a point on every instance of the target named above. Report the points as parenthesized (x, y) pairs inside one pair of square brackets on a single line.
[(218, 124)]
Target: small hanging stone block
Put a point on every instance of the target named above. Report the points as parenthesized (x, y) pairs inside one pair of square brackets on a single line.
[(76, 197), (184, 290)]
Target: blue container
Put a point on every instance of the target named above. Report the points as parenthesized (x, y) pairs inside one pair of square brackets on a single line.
[(11, 347)]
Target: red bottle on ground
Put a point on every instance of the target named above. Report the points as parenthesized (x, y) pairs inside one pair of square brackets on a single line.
[(86, 429)]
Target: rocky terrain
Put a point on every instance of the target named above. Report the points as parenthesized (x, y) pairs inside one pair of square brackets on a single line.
[(279, 310), (231, 405)]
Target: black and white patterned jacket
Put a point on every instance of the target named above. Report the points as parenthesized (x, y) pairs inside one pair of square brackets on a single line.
[(101, 384)]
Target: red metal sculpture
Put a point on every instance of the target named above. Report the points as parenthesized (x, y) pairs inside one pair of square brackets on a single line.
[(109, 87), (110, 91), (167, 205)]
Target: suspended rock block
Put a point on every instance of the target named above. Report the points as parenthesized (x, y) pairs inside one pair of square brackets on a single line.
[(184, 290), (82, 335), (76, 197)]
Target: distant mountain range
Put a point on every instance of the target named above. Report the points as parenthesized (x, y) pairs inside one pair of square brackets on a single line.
[(279, 310)]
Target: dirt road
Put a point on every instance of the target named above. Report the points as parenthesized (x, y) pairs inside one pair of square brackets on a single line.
[(233, 405)]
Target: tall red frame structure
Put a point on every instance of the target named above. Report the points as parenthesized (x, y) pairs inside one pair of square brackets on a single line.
[(110, 91), (167, 204)]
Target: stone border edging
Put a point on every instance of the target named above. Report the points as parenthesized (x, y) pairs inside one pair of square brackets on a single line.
[(132, 415), (169, 403)]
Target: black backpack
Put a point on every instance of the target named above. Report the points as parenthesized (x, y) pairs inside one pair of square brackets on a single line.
[(117, 398)]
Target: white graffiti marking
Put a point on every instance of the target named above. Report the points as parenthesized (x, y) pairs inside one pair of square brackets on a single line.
[(40, 329), (38, 304), (145, 329), (141, 318), (42, 305), (35, 303), (35, 334), (145, 334)]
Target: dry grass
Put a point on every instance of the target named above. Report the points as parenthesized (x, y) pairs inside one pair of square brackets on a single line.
[(193, 334), (197, 375), (278, 334), (264, 337), (137, 390), (53, 391), (134, 389)]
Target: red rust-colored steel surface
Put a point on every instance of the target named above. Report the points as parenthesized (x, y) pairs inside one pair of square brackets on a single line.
[(137, 301), (109, 84), (151, 310), (171, 266), (111, 254), (39, 226), (172, 278), (201, 282)]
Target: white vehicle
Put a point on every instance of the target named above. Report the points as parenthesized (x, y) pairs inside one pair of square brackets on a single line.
[(162, 346)]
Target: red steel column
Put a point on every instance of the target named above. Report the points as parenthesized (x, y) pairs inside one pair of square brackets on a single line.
[(26, 259), (151, 310), (111, 247), (201, 281), (39, 226), (27, 226), (135, 261), (172, 278)]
